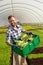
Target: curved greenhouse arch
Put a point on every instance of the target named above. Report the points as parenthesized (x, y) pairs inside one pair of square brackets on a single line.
[(27, 11)]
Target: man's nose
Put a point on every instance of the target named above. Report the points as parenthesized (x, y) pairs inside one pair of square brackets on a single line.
[(11, 21)]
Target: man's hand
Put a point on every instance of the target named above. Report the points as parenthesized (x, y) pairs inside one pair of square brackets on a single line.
[(14, 45), (29, 33)]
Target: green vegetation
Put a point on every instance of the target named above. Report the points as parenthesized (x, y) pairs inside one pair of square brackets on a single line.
[(5, 50), (32, 56), (3, 30)]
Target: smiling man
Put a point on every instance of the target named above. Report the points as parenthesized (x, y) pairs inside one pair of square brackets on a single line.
[(14, 32)]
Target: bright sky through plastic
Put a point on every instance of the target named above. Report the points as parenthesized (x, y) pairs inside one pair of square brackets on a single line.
[(26, 11)]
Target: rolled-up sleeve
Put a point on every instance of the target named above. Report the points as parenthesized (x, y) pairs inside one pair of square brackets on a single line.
[(8, 37), (22, 30)]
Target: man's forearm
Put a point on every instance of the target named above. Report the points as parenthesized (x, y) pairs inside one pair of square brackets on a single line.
[(25, 31), (10, 44)]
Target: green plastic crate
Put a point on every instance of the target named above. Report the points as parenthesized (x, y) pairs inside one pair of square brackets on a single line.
[(29, 48), (36, 40)]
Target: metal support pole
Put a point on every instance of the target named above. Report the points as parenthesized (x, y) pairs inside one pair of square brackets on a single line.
[(12, 7)]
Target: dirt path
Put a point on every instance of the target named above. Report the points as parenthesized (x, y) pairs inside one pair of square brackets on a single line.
[(37, 61), (37, 50)]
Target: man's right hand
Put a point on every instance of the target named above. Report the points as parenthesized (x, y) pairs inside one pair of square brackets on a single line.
[(29, 33), (14, 45)]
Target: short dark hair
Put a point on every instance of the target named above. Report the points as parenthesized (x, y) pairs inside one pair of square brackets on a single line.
[(10, 16)]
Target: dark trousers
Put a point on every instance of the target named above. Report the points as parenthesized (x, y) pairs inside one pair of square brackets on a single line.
[(28, 62)]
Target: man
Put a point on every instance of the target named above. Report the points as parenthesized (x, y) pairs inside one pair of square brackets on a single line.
[(13, 33)]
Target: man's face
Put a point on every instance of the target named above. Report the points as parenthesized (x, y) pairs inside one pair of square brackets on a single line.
[(12, 21)]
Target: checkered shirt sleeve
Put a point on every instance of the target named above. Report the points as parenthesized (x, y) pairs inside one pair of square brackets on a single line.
[(8, 37)]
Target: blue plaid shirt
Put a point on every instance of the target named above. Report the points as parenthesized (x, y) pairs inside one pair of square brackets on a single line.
[(13, 34)]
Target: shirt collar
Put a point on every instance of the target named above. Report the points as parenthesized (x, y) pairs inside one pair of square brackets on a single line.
[(13, 27)]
